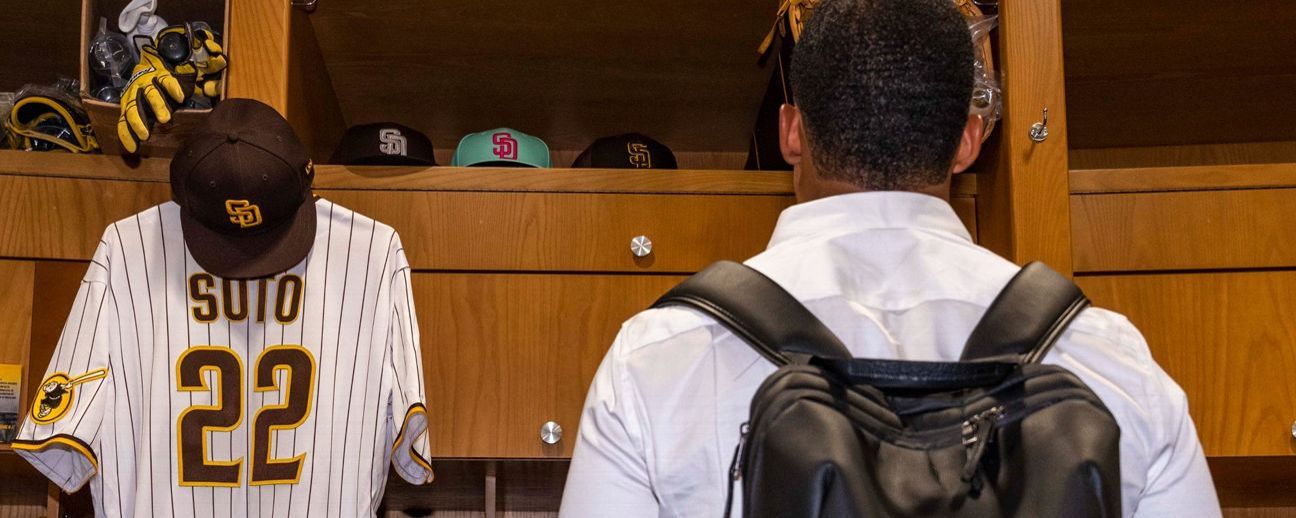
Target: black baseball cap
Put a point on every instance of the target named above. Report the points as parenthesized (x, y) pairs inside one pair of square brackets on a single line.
[(627, 151), (383, 143), (243, 183)]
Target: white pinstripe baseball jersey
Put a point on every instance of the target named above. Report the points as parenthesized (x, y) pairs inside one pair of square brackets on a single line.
[(177, 393)]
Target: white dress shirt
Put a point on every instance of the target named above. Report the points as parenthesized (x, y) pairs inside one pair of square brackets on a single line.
[(894, 275)]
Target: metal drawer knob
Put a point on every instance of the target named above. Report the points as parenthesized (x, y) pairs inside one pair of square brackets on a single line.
[(1293, 430), (551, 432), (641, 246)]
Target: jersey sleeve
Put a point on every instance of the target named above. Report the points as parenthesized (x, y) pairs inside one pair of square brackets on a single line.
[(403, 381), (60, 432)]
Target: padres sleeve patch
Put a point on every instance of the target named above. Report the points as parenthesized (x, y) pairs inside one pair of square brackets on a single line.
[(56, 394)]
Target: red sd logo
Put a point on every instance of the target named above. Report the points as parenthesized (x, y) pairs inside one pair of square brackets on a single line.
[(505, 145)]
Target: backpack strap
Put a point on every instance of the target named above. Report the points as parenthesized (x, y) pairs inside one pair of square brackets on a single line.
[(1027, 317), (758, 310)]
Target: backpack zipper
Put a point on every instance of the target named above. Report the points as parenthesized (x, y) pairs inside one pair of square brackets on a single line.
[(976, 433), (736, 466)]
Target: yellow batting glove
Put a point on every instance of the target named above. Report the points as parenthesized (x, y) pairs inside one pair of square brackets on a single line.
[(210, 88), (148, 98)]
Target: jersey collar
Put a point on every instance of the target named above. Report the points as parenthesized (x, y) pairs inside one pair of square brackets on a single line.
[(862, 211)]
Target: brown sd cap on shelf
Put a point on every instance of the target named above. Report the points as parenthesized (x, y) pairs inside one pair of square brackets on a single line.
[(243, 183)]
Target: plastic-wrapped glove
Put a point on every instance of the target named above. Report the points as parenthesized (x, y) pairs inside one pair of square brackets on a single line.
[(150, 96), (192, 49), (209, 57)]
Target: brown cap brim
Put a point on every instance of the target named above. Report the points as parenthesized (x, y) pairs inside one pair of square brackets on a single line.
[(251, 256)]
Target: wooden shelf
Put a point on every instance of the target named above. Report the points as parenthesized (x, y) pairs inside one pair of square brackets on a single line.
[(1191, 178), (485, 179), (1238, 153), (1255, 481)]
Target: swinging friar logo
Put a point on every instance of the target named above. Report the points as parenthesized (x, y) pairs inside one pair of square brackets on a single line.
[(55, 395), (391, 142)]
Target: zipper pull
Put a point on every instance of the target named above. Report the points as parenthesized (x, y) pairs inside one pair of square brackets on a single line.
[(978, 431), (736, 466)]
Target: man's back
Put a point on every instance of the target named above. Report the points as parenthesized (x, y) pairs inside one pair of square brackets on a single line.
[(894, 275)]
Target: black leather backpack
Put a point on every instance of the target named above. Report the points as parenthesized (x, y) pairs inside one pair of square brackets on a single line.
[(996, 434)]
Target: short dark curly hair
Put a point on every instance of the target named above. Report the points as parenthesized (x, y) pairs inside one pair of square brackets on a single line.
[(884, 88)]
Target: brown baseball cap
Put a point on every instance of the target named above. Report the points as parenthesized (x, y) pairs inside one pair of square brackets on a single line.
[(243, 183)]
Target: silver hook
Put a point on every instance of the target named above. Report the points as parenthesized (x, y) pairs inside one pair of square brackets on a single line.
[(1039, 131)]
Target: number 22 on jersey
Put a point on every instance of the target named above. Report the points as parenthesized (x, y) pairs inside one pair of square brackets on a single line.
[(226, 413)]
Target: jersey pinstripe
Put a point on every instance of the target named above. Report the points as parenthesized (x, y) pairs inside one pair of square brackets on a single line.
[(174, 392)]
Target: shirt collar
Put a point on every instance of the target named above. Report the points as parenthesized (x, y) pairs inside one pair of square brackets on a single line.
[(861, 211)]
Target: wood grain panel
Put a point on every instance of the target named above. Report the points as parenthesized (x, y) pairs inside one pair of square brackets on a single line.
[(312, 106), (1193, 178), (50, 30), (492, 385), (258, 32), (63, 218), (966, 209), (1179, 156), (1226, 338), (570, 232), (1109, 38), (567, 71), (1149, 111), (17, 279), (1255, 481), (54, 292), (1260, 512), (60, 218), (67, 165), (1132, 68), (1184, 230), (1022, 189), (22, 495)]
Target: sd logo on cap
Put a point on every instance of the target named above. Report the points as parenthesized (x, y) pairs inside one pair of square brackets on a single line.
[(626, 151), (501, 147)]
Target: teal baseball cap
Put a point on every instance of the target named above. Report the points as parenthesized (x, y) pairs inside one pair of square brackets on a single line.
[(501, 147)]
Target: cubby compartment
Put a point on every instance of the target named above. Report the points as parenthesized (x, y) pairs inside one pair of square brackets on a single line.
[(165, 138), (684, 73), (1164, 83), (40, 42)]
